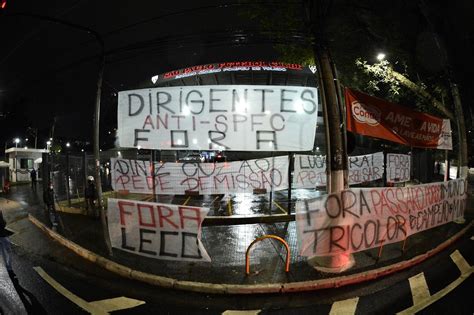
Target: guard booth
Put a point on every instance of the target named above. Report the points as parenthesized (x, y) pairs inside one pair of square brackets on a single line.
[(3, 173), (21, 161)]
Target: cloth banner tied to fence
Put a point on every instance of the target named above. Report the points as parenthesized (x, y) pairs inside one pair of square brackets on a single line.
[(162, 231), (206, 178), (398, 168), (358, 219), (310, 170), (223, 117)]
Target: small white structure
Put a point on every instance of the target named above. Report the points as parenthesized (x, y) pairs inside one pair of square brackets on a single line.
[(22, 161)]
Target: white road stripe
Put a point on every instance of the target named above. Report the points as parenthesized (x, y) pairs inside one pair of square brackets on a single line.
[(419, 288), (95, 307), (345, 307), (462, 264)]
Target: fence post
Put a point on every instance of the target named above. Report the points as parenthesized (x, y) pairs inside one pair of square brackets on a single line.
[(67, 179)]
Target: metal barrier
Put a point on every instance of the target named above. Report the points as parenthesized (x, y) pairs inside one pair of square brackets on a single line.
[(247, 254)]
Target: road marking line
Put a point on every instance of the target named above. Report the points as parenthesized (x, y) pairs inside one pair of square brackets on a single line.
[(229, 207), (249, 312), (186, 201), (419, 288), (441, 293), (115, 304), (462, 264), (95, 307), (344, 307), (280, 207), (68, 294)]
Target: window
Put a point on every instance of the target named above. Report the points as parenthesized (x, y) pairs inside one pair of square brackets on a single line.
[(26, 163)]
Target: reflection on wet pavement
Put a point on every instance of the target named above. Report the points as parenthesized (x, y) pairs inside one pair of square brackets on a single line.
[(242, 204)]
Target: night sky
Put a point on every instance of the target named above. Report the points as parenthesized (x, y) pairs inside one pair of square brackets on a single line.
[(49, 70)]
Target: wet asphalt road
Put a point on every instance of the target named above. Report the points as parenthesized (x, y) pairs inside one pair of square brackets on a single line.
[(385, 296)]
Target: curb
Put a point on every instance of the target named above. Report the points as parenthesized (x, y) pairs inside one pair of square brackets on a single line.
[(214, 288)]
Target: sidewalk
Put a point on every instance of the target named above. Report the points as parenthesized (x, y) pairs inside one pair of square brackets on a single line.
[(227, 245)]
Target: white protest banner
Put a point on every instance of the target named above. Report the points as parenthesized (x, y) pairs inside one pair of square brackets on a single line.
[(398, 168), (365, 168), (206, 178), (220, 117), (162, 231), (361, 218), (310, 170)]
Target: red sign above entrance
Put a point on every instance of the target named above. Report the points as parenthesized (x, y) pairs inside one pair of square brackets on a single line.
[(230, 67)]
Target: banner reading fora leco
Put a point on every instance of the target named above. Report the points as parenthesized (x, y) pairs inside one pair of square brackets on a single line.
[(221, 117)]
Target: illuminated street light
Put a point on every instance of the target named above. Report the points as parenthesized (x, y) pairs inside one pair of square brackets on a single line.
[(17, 140), (68, 144), (380, 56)]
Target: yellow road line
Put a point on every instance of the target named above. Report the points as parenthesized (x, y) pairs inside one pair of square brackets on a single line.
[(229, 207), (280, 207), (68, 294), (345, 307), (419, 288), (462, 264), (96, 307), (115, 304), (186, 201), (441, 293), (249, 312)]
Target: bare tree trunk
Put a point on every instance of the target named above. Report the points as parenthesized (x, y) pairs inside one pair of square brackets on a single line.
[(336, 161), (336, 155), (461, 126)]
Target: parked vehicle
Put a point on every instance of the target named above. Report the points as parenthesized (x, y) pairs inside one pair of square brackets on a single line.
[(192, 157)]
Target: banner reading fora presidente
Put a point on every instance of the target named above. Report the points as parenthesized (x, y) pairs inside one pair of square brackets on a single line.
[(358, 219), (398, 168), (378, 118), (205, 178), (221, 117), (161, 231), (310, 170)]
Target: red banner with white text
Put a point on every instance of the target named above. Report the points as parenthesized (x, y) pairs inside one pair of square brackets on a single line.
[(378, 118)]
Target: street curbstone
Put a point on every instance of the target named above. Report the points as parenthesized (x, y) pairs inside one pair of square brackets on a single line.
[(200, 287), (245, 289), (254, 288), (152, 279), (114, 267)]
